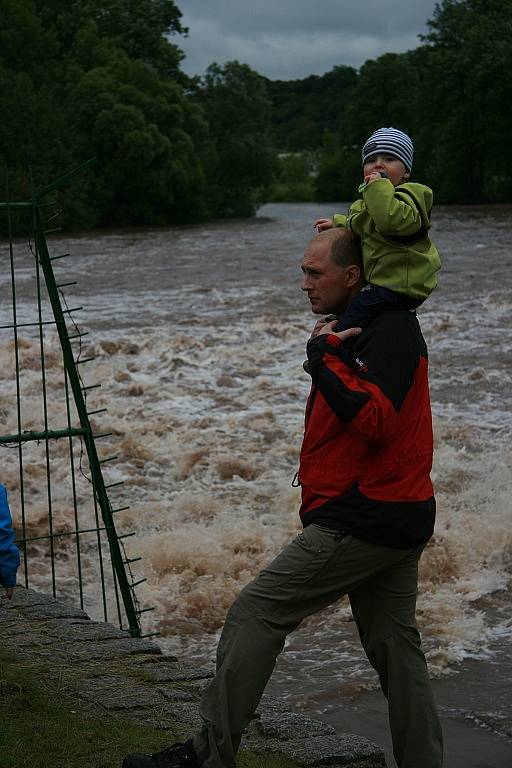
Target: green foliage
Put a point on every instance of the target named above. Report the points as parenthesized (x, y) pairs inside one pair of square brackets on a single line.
[(468, 54), (239, 156), (339, 173), (140, 28), (387, 93), (304, 110), (111, 89), (141, 130), (295, 173), (102, 78), (452, 95)]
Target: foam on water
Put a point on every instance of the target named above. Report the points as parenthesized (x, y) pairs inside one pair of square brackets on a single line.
[(209, 445)]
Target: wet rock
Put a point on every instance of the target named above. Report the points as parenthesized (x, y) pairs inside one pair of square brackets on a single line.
[(82, 629), (53, 611), (28, 639), (175, 694), (186, 713), (169, 672), (286, 725), (114, 693), (496, 722), (27, 597), (111, 649), (344, 750)]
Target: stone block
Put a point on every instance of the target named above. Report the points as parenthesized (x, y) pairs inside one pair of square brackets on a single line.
[(110, 649), (187, 714), (342, 750), (22, 598), (175, 694), (174, 672), (118, 692), (83, 629), (289, 725), (53, 611)]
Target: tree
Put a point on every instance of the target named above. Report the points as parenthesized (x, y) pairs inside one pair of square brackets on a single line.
[(101, 78), (304, 110), (239, 157), (386, 94), (140, 129), (452, 94), (339, 172), (468, 113), (141, 28), (295, 172)]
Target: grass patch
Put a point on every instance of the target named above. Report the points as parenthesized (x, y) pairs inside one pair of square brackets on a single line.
[(45, 725)]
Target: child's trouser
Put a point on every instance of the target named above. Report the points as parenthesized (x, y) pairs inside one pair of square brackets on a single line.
[(313, 571), (370, 302)]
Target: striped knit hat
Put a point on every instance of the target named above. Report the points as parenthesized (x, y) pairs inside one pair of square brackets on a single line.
[(389, 141)]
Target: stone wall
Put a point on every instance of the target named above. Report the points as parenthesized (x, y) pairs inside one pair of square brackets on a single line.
[(130, 678)]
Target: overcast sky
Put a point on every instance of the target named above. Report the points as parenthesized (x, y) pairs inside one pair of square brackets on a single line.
[(288, 39)]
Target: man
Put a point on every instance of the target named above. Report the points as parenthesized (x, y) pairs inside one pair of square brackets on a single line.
[(367, 510)]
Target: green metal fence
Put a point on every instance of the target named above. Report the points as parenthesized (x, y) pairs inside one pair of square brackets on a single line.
[(52, 464)]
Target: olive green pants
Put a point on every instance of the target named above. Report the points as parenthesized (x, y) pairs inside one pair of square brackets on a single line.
[(315, 570)]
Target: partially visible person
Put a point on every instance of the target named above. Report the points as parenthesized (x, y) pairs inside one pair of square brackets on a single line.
[(9, 552), (392, 219)]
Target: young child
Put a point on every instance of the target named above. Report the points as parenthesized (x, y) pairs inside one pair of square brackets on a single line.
[(9, 553), (392, 219)]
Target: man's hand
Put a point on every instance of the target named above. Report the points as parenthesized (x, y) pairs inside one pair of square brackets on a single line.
[(9, 592), (326, 325), (321, 224)]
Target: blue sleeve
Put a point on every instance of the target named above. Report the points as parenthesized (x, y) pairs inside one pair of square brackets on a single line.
[(9, 553)]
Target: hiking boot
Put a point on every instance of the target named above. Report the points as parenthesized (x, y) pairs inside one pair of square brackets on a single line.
[(176, 756)]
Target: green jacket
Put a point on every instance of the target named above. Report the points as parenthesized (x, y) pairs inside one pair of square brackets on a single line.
[(393, 224)]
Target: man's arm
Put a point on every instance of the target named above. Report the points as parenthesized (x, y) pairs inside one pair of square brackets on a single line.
[(367, 396)]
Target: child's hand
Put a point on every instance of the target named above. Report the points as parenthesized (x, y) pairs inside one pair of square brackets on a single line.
[(321, 224), (342, 335), (321, 323), (326, 326), (373, 176)]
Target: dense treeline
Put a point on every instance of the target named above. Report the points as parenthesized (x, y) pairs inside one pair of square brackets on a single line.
[(453, 94), (303, 110), (103, 79)]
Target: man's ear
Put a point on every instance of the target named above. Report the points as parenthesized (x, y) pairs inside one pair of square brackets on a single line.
[(353, 273)]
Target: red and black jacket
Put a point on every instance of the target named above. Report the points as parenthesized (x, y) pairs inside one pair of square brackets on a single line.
[(367, 450)]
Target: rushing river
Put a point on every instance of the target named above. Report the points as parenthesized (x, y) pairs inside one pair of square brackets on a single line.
[(200, 334)]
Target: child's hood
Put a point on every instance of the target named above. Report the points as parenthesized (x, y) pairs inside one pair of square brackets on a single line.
[(421, 194)]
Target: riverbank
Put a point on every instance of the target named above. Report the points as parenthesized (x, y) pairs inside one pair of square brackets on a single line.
[(76, 692)]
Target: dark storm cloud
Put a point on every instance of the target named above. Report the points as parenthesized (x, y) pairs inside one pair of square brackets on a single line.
[(293, 38)]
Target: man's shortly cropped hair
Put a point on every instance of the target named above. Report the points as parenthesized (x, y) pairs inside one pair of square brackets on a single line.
[(346, 249)]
